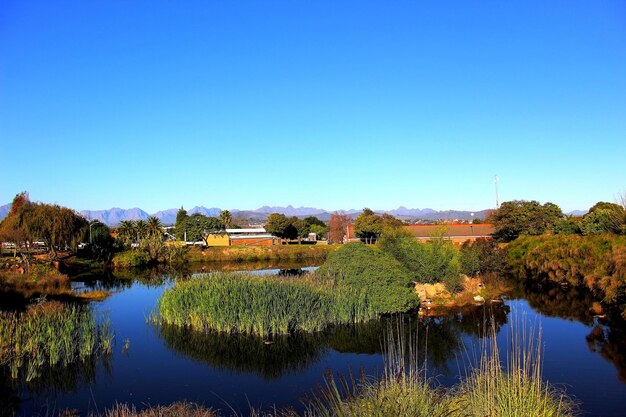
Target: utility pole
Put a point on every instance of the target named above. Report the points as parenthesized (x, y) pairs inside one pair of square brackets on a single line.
[(496, 179)]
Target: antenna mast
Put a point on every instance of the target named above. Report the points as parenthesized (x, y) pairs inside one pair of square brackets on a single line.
[(496, 179)]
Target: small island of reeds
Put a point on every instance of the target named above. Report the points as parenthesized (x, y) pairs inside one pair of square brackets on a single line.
[(245, 303)]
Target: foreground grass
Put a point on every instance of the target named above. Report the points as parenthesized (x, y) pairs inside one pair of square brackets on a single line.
[(49, 334), (244, 303)]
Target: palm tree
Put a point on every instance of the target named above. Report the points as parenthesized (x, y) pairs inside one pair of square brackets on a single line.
[(126, 231), (226, 218), (155, 229), (140, 229)]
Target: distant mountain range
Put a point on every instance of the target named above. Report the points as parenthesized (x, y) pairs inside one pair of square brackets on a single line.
[(114, 216), (4, 210)]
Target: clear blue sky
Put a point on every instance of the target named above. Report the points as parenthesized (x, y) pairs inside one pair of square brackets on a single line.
[(331, 104)]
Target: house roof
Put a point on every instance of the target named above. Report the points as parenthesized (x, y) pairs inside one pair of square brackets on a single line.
[(451, 230)]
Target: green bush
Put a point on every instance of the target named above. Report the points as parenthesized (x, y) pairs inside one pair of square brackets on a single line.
[(481, 256), (131, 259), (363, 268), (434, 261), (597, 262)]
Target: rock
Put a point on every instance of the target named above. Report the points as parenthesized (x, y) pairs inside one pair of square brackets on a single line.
[(479, 299)]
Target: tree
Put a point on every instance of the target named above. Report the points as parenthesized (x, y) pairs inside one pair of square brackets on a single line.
[(179, 226), (126, 232), (302, 227), (515, 218), (140, 229), (311, 220), (198, 226), (390, 221), (101, 243), (10, 229), (57, 226), (226, 218), (337, 227), (320, 231), (604, 217), (281, 226), (368, 226), (154, 227)]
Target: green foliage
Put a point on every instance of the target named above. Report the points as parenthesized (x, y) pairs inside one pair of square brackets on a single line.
[(481, 256), (567, 226), (302, 227), (240, 303), (154, 227), (57, 226), (49, 334), (320, 231), (226, 218), (366, 269), (597, 262), (101, 244), (281, 226), (179, 226), (198, 226), (434, 261), (515, 218), (312, 220), (131, 259), (604, 218), (368, 226)]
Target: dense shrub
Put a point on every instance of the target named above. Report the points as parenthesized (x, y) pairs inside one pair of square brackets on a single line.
[(597, 262), (481, 256), (131, 259), (363, 268), (434, 261)]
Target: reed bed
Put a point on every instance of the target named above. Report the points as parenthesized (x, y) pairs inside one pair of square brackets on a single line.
[(50, 334), (249, 304), (514, 388)]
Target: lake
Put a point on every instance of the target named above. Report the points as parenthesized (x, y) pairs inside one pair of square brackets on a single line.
[(152, 365)]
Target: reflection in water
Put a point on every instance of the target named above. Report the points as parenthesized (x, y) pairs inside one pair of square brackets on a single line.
[(556, 301), (240, 353), (438, 341), (610, 342), (68, 378), (9, 400)]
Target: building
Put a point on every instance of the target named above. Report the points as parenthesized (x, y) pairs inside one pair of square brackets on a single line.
[(242, 237), (457, 233)]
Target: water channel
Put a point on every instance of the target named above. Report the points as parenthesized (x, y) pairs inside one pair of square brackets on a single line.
[(583, 354)]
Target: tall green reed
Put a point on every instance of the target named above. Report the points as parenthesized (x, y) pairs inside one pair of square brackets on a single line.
[(244, 303), (49, 334)]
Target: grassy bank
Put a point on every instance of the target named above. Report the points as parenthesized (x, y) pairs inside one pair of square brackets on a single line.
[(260, 253), (240, 303), (49, 334), (597, 262)]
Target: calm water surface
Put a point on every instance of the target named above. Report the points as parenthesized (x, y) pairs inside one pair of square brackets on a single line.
[(583, 355)]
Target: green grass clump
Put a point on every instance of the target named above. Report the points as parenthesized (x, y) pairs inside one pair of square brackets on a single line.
[(131, 259), (366, 269), (491, 389), (243, 303), (49, 334)]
